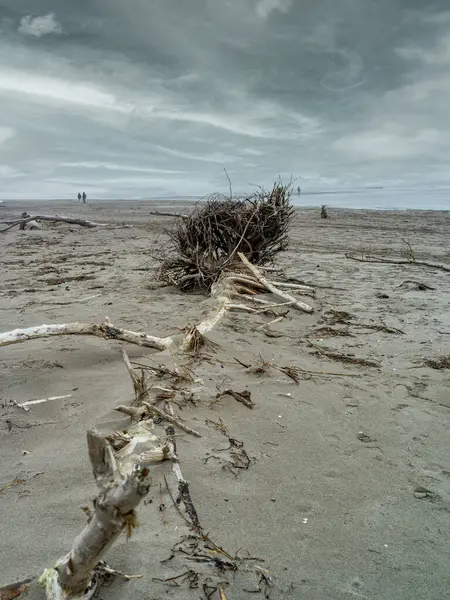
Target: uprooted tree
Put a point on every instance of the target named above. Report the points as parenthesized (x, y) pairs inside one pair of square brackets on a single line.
[(205, 245), (214, 249)]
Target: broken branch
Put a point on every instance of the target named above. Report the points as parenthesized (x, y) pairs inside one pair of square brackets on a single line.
[(106, 331), (114, 512), (274, 290)]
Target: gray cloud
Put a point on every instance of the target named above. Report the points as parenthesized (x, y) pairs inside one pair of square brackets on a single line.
[(156, 98), (39, 26)]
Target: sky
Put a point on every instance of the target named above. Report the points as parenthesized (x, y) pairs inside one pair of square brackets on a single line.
[(148, 98)]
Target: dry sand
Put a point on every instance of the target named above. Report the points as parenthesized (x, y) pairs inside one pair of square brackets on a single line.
[(334, 499)]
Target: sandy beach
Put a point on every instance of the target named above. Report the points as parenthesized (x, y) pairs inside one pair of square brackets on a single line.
[(347, 494)]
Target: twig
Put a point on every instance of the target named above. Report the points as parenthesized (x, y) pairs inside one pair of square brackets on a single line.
[(418, 263), (183, 486), (344, 357), (242, 397), (229, 183), (165, 415), (42, 400)]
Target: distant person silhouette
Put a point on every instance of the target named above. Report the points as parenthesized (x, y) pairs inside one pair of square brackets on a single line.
[(79, 197), (84, 197)]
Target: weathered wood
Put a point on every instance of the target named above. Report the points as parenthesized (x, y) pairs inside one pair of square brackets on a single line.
[(394, 261), (167, 214), (113, 513), (56, 219), (105, 330), (274, 290)]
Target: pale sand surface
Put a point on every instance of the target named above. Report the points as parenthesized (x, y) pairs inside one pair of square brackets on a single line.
[(334, 515)]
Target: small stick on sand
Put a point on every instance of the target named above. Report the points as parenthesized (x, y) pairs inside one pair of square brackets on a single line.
[(167, 214), (165, 415), (418, 263), (183, 485)]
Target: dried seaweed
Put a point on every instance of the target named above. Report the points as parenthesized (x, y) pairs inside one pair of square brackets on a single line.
[(327, 332), (345, 358), (443, 362)]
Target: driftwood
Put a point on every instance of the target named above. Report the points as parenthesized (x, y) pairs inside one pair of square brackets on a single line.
[(223, 291), (205, 244), (140, 412), (114, 512), (274, 290), (159, 213), (399, 261), (56, 219), (105, 330)]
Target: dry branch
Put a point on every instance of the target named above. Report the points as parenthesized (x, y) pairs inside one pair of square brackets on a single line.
[(106, 331), (159, 213), (113, 513), (274, 290), (392, 261), (165, 415), (56, 219)]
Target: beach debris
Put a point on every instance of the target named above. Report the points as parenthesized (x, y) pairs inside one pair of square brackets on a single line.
[(338, 317), (341, 357), (114, 512), (147, 409), (442, 362), (292, 371), (56, 219), (206, 243), (422, 493), (273, 289), (327, 332), (9, 592), (243, 397), (412, 285), (165, 415), (369, 258), (184, 494), (190, 577), (18, 481), (365, 438), (25, 405), (342, 317), (105, 330)]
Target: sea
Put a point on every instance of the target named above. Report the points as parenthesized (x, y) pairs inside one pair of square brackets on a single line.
[(366, 199), (378, 199)]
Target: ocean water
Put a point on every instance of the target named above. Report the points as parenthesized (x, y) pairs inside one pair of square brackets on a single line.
[(378, 199), (368, 199)]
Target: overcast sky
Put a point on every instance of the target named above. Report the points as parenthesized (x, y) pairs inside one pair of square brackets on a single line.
[(141, 98)]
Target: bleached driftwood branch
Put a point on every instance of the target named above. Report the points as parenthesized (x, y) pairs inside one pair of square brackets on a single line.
[(105, 330), (270, 287), (56, 219), (114, 512)]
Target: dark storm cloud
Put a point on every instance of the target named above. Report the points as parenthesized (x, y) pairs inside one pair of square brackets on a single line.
[(143, 98)]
